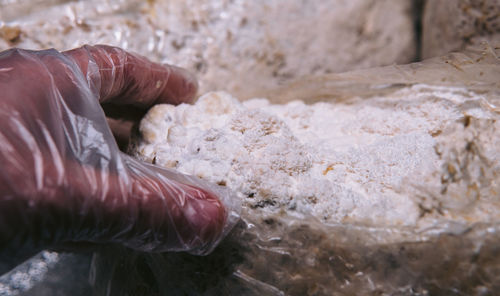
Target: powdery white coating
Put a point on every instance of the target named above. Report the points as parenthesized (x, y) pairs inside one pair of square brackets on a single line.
[(373, 161)]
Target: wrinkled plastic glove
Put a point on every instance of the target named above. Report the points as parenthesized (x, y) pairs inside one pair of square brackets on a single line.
[(63, 178)]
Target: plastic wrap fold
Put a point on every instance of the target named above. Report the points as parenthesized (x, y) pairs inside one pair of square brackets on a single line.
[(64, 180), (476, 69)]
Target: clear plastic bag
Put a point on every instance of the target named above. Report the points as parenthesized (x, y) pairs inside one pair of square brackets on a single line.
[(283, 254)]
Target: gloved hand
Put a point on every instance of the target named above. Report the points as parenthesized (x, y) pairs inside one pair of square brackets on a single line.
[(63, 178)]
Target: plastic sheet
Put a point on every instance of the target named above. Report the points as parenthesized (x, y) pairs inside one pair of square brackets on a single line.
[(477, 69), (289, 254), (64, 180), (270, 255)]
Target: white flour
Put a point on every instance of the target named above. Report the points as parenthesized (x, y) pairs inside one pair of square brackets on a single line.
[(382, 160)]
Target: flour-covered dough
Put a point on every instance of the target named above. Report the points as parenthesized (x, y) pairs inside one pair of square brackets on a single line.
[(411, 158)]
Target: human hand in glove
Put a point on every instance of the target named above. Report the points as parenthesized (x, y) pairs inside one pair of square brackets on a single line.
[(63, 179)]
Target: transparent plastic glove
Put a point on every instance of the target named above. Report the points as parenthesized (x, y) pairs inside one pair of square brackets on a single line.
[(63, 179)]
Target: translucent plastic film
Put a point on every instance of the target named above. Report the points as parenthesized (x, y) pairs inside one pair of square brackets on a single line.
[(63, 178), (476, 69), (287, 253)]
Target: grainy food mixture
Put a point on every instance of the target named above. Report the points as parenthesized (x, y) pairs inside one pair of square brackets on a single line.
[(411, 158)]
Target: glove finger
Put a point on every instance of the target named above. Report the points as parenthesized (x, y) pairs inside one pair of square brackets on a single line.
[(123, 78), (142, 209)]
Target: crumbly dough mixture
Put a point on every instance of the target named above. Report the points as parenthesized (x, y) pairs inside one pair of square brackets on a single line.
[(420, 155)]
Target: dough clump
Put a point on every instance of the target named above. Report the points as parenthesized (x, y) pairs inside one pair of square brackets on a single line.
[(411, 158)]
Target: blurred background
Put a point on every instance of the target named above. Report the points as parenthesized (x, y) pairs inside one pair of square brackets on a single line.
[(248, 47), (244, 47)]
